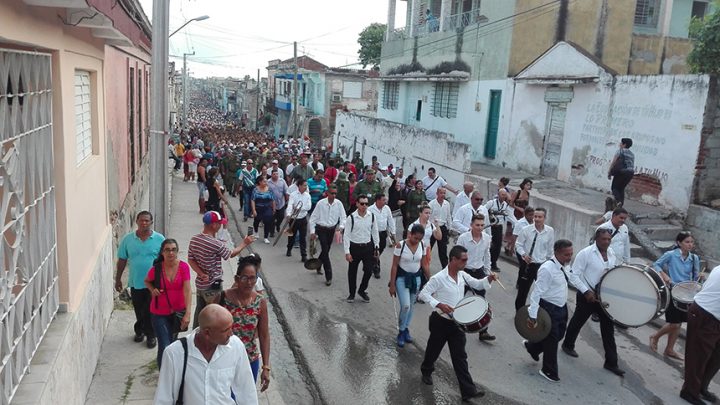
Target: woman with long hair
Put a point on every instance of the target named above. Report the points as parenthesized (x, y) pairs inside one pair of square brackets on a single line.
[(518, 202), (676, 266), (262, 203), (169, 284)]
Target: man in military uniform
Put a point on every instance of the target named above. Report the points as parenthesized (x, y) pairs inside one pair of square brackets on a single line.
[(414, 199), (228, 167), (358, 162), (368, 186)]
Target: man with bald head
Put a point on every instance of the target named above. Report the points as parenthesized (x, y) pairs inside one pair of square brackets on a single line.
[(463, 197), (463, 218), (210, 350), (501, 210)]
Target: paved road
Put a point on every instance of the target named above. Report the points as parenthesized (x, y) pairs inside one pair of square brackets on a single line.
[(350, 352)]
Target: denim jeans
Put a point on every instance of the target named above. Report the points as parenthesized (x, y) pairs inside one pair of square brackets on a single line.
[(407, 300), (255, 367), (247, 196), (162, 325)]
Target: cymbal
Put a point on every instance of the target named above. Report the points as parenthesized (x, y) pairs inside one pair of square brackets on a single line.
[(313, 264), (541, 329)]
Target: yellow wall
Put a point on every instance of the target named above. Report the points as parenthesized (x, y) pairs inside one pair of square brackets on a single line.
[(531, 36), (81, 195)]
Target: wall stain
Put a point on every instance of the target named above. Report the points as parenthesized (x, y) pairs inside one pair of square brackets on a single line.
[(534, 136)]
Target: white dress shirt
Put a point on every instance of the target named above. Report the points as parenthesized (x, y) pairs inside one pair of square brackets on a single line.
[(709, 297), (429, 228), (521, 223), (384, 218), (550, 286), (478, 251), (589, 267), (620, 242), (460, 200), (364, 230), (463, 219), (289, 169), (328, 215), (295, 198), (503, 211), (442, 289), (431, 185), (543, 244), (441, 212), (206, 383)]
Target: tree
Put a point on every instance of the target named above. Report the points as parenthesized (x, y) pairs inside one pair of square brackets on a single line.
[(370, 40), (705, 33)]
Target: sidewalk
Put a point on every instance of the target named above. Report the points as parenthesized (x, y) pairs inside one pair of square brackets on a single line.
[(126, 372)]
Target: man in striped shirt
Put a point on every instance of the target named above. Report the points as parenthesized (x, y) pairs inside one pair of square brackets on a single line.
[(205, 256)]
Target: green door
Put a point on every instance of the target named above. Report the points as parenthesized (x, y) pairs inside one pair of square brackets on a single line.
[(492, 124)]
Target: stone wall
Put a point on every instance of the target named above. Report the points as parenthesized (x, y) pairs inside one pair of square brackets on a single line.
[(703, 223), (707, 178)]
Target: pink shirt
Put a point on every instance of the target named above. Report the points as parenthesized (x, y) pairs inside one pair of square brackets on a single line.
[(172, 289)]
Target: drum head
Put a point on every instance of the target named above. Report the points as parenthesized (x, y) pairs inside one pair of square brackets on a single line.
[(685, 291), (629, 296), (470, 309)]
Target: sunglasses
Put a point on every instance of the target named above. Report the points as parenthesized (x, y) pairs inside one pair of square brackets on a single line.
[(362, 203), (170, 250), (333, 193)]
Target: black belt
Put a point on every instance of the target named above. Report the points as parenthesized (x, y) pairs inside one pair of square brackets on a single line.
[(325, 227), (361, 244)]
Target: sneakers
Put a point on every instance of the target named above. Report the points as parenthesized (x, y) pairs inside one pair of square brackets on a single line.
[(408, 338), (328, 283), (534, 356), (151, 342), (364, 296), (376, 275), (267, 241), (401, 339), (551, 378), (139, 337), (350, 298), (691, 399)]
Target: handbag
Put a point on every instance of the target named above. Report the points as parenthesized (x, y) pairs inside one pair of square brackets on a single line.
[(618, 166), (177, 316)]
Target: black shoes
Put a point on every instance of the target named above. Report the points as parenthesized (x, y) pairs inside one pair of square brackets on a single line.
[(476, 394), (615, 370), (350, 298), (691, 399), (288, 253), (151, 342), (303, 259), (496, 269), (320, 272), (708, 396), (534, 356), (570, 352), (328, 283), (364, 296), (485, 336), (549, 377), (139, 337), (376, 275), (427, 379)]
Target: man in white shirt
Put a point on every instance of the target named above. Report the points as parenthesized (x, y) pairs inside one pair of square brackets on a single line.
[(477, 244), (620, 234), (442, 216), (526, 220), (361, 241), (327, 219), (702, 347), (500, 208), (212, 350), (386, 226), (550, 293), (463, 197), (461, 221), (280, 195), (432, 182), (291, 166), (590, 265), (301, 199), (534, 246), (443, 292), (275, 167)]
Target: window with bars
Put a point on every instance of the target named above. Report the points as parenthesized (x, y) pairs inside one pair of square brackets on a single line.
[(83, 116), (445, 100), (391, 94), (647, 13)]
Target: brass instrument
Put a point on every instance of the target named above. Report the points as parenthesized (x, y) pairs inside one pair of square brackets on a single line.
[(288, 222), (392, 239), (312, 263)]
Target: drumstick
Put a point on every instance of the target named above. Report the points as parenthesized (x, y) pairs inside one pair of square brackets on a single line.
[(497, 280), (461, 305), (397, 326)]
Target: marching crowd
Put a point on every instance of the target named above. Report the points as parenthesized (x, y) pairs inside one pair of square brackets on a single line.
[(292, 190)]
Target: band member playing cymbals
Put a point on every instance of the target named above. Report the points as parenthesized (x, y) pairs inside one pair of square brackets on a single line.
[(587, 270), (550, 293), (443, 291)]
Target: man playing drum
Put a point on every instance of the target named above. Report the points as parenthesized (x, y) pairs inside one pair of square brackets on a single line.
[(590, 265), (676, 266), (443, 291), (550, 293)]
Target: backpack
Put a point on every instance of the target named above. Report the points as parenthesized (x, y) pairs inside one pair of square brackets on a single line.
[(352, 221)]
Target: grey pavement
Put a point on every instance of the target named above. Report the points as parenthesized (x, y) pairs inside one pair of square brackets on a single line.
[(126, 372)]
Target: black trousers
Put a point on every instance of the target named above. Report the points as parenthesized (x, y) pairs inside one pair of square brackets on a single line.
[(299, 226), (702, 350), (278, 218), (475, 273), (583, 310), (360, 254), (619, 182), (496, 244), (549, 346), (141, 304), (382, 244), (442, 245), (446, 331), (325, 236), (525, 280)]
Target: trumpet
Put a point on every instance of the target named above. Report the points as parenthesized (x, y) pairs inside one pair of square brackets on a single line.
[(288, 222)]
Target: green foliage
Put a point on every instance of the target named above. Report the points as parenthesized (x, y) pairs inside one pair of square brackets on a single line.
[(447, 67), (370, 40), (413, 67), (705, 34)]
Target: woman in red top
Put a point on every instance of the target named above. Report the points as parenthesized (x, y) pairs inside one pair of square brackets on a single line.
[(171, 293)]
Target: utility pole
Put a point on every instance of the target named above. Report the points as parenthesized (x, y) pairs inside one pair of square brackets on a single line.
[(257, 102), (295, 90), (184, 93), (159, 117)]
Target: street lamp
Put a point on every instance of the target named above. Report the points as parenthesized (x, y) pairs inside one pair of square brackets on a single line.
[(201, 18)]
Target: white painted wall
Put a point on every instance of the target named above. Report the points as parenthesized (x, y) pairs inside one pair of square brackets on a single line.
[(662, 114)]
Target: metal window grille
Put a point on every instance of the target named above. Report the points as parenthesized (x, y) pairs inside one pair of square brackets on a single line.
[(28, 273), (391, 94), (445, 100), (83, 117), (647, 13)]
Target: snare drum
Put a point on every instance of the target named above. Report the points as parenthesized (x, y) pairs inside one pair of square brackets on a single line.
[(683, 294), (473, 314), (632, 296)]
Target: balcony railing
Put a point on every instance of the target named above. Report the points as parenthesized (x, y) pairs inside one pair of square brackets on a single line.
[(459, 21), (450, 23)]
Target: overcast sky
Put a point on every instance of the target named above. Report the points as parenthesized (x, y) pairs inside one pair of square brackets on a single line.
[(242, 36)]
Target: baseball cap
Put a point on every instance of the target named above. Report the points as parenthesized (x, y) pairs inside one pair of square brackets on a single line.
[(213, 217)]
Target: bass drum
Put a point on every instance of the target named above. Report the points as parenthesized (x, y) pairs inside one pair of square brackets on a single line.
[(632, 296)]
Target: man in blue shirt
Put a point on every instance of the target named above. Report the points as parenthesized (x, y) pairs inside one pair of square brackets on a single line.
[(316, 187), (139, 249)]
